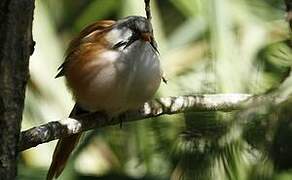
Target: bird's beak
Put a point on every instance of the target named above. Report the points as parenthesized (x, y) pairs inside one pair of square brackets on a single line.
[(146, 37)]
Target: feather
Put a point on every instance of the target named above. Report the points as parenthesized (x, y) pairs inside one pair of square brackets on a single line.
[(63, 149), (89, 34)]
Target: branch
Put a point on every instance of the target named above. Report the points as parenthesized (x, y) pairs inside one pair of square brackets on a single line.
[(148, 10), (289, 11), (169, 105)]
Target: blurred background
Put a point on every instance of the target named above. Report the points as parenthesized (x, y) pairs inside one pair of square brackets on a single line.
[(206, 47)]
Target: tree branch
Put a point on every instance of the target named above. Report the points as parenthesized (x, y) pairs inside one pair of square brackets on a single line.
[(288, 4), (169, 105), (148, 10)]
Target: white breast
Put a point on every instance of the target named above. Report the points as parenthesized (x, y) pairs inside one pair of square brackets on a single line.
[(140, 72), (128, 78)]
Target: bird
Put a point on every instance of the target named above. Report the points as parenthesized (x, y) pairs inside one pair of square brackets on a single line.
[(111, 67)]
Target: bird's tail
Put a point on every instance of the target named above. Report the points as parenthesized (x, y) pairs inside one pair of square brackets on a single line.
[(63, 150)]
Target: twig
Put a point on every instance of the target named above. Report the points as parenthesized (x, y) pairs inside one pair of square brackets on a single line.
[(289, 12), (148, 10), (169, 105)]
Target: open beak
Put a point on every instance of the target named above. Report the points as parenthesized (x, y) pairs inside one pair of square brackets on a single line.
[(146, 37)]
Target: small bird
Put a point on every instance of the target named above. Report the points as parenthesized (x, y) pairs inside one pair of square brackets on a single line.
[(111, 66)]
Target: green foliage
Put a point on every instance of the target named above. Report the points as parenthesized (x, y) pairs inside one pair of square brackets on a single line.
[(207, 46)]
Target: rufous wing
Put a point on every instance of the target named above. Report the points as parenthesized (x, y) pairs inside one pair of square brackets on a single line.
[(90, 34)]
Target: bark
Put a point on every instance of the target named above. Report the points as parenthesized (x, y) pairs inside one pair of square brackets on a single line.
[(163, 106), (16, 45), (288, 4)]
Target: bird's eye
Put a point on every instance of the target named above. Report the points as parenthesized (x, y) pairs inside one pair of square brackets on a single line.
[(131, 40), (126, 43), (119, 44)]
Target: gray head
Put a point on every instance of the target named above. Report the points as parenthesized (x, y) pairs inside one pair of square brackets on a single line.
[(137, 24), (141, 28)]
